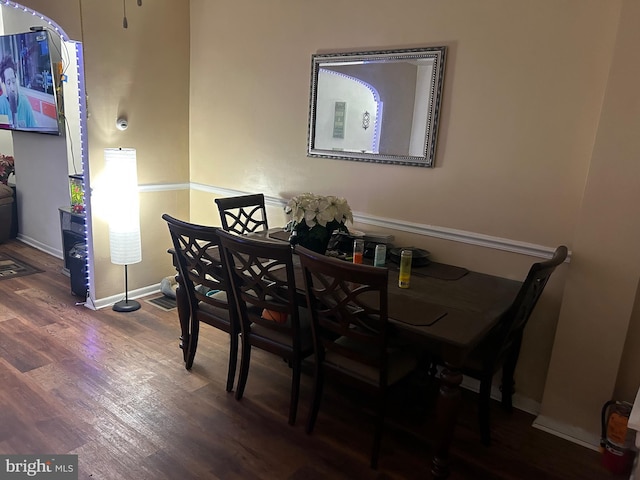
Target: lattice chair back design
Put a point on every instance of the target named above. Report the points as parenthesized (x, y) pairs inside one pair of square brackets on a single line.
[(203, 284), (243, 214), (263, 281), (354, 341)]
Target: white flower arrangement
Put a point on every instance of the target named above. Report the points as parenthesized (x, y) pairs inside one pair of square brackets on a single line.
[(317, 209), (313, 218)]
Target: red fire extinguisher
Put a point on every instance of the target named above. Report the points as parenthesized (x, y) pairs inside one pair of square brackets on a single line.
[(617, 439)]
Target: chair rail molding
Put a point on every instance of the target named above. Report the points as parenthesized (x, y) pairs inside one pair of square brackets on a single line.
[(461, 236), (163, 187)]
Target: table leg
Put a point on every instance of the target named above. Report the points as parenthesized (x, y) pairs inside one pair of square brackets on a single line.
[(447, 409)]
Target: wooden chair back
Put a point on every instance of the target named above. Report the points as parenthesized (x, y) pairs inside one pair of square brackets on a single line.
[(501, 347), (509, 331), (347, 300), (352, 335), (204, 278), (262, 277), (243, 214)]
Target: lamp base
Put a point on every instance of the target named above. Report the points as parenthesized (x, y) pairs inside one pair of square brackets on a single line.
[(126, 306)]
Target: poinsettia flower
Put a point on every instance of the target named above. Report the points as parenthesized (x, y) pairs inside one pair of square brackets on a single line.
[(326, 211)]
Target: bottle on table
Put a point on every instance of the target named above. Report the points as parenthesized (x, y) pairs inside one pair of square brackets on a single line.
[(380, 256), (405, 268), (358, 250)]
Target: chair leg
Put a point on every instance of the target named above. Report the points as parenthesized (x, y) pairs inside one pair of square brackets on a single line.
[(233, 360), (507, 388), (379, 425), (318, 385), (484, 404), (508, 373), (245, 359), (184, 346), (295, 391), (183, 316), (192, 345)]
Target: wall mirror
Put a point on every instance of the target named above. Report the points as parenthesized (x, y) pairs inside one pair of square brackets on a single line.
[(380, 106)]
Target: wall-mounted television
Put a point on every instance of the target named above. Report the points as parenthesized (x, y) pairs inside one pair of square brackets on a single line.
[(29, 76)]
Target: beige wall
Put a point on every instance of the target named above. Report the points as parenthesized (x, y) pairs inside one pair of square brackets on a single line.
[(523, 92), (620, 143), (523, 154), (142, 73), (603, 280)]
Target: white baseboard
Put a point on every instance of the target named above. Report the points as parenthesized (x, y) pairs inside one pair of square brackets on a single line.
[(39, 245), (133, 294), (520, 402), (565, 431), (568, 432)]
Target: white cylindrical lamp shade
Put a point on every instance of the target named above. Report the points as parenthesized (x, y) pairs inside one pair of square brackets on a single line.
[(124, 205)]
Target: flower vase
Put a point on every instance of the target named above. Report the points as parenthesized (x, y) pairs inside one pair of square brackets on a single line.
[(315, 238)]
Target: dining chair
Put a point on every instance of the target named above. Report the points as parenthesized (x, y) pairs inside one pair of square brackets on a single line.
[(501, 348), (263, 281), (353, 338), (203, 280), (243, 214)]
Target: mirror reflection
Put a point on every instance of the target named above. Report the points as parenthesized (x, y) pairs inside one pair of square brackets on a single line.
[(376, 106)]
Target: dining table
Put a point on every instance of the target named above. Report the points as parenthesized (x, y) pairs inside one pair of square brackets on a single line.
[(447, 310)]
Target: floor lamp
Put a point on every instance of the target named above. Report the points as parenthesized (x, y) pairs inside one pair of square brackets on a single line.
[(124, 216)]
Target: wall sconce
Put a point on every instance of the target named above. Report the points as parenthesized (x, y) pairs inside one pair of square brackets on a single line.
[(366, 120), (124, 215)]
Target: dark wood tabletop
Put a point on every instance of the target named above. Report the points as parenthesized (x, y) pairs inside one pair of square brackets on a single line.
[(444, 304), (472, 305)]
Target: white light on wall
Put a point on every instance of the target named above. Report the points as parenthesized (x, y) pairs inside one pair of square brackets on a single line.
[(124, 214)]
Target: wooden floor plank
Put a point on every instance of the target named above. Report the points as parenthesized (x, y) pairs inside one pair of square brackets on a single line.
[(111, 387)]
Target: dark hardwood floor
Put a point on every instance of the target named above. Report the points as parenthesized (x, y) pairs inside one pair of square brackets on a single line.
[(111, 388)]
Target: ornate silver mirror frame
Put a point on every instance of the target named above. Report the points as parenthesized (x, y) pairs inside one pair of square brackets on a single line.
[(380, 106)]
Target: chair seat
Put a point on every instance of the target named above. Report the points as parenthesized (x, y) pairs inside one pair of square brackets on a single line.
[(285, 337), (401, 361), (218, 317), (215, 315)]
